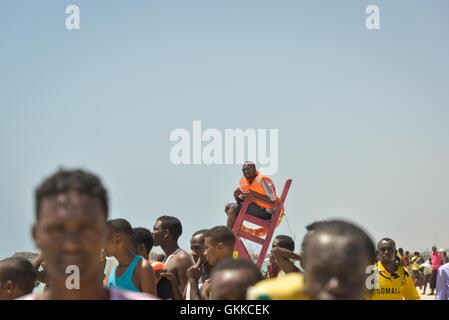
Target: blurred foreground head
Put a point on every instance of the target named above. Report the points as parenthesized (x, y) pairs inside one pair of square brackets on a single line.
[(231, 279), (70, 228), (335, 259)]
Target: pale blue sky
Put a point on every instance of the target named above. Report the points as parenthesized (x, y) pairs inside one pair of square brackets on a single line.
[(362, 115)]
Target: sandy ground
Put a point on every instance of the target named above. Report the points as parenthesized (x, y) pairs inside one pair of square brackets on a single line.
[(425, 296)]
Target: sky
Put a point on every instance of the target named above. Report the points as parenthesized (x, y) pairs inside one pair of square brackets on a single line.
[(361, 114)]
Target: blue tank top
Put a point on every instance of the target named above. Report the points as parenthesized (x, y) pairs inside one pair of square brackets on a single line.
[(125, 281)]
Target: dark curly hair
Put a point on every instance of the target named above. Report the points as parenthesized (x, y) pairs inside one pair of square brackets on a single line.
[(72, 180)]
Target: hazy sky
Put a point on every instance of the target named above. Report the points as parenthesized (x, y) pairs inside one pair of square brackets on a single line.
[(362, 116)]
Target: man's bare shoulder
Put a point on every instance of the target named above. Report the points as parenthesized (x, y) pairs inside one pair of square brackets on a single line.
[(145, 265), (182, 258), (179, 259)]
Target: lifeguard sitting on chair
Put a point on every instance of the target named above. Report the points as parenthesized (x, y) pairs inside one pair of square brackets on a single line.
[(260, 190)]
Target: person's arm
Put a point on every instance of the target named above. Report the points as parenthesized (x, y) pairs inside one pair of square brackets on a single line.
[(237, 193), (255, 195), (146, 278), (283, 257), (286, 265), (183, 263), (205, 292), (193, 276), (286, 253), (176, 294), (442, 286)]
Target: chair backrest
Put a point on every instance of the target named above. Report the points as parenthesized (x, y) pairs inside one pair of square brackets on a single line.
[(285, 190)]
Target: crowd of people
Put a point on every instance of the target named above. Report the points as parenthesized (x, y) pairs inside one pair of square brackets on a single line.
[(115, 260), (425, 270)]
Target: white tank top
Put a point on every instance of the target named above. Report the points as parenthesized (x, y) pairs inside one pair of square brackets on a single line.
[(170, 256)]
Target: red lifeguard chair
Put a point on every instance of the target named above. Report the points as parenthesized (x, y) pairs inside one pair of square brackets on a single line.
[(270, 225)]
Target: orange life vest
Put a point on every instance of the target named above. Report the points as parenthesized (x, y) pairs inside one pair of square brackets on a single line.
[(256, 186), (157, 269)]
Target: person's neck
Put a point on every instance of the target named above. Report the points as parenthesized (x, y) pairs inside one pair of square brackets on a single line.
[(251, 180), (207, 268), (390, 267), (226, 255), (125, 257), (169, 248), (89, 289)]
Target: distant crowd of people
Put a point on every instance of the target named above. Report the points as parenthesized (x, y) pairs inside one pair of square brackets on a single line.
[(426, 270), (114, 260)]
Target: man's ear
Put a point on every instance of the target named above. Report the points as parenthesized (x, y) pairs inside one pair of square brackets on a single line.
[(141, 248)]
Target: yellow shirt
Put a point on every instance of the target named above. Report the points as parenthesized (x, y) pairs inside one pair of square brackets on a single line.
[(396, 286), (287, 287)]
